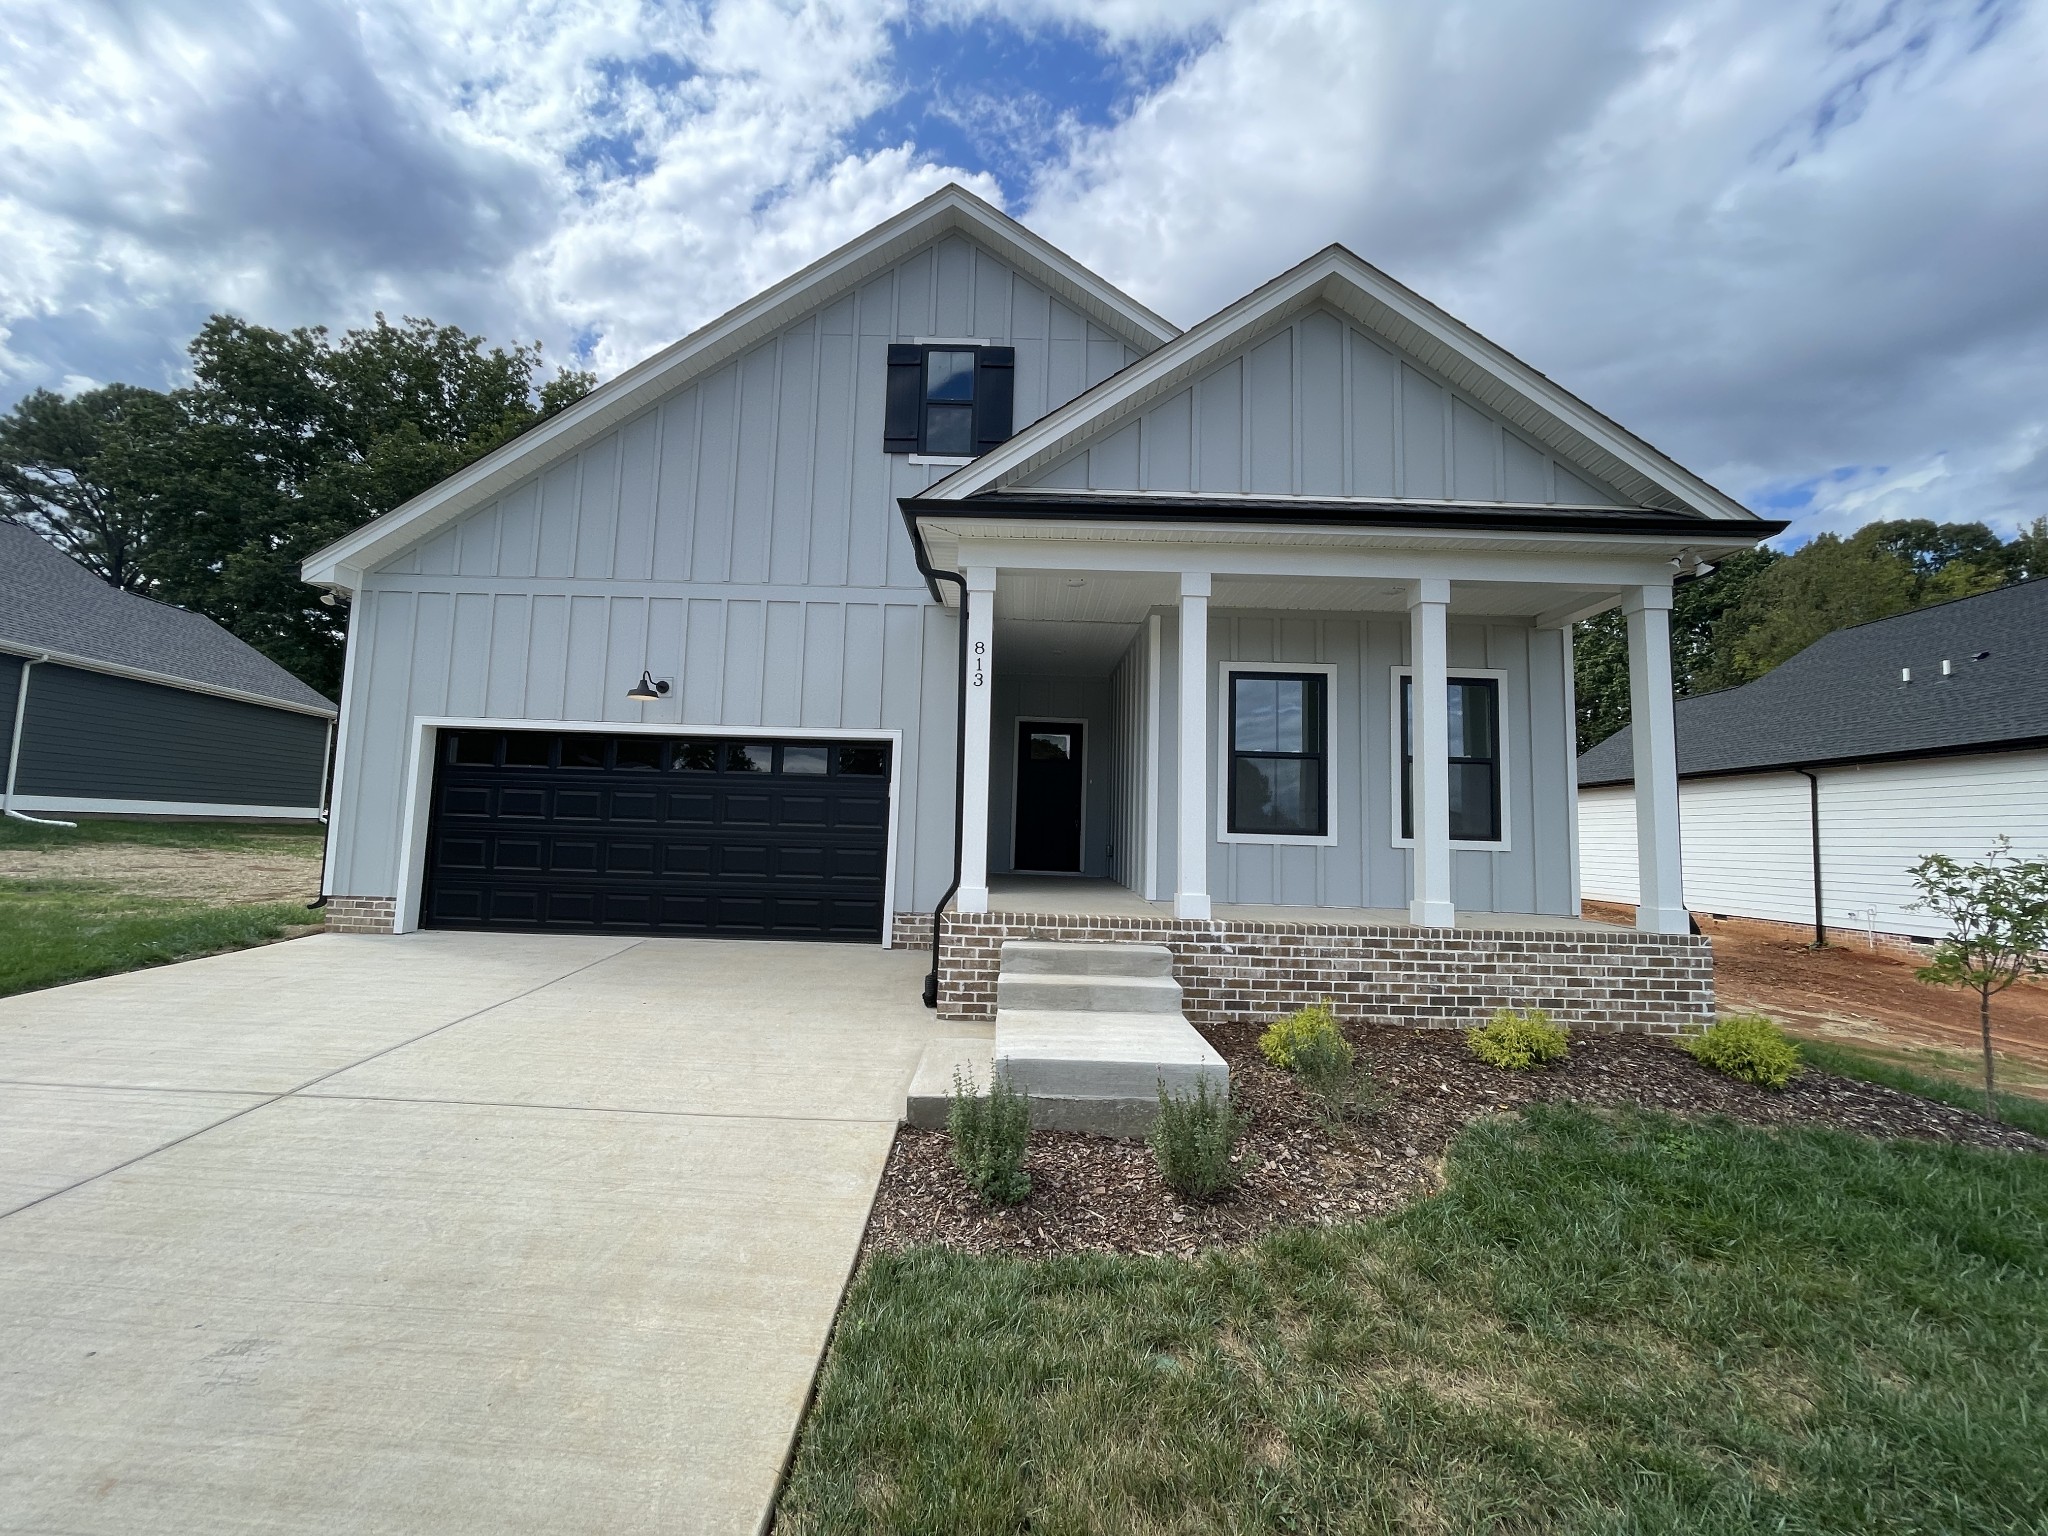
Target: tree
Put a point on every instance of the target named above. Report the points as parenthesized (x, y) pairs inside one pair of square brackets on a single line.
[(1997, 913), (55, 476)]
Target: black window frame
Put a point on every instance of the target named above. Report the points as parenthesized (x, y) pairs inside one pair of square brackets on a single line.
[(906, 427), (1406, 711), (1320, 682)]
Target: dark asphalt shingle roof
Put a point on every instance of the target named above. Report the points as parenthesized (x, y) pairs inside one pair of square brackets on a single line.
[(50, 602), (1841, 698)]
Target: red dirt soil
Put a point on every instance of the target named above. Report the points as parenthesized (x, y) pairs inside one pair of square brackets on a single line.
[(1853, 993)]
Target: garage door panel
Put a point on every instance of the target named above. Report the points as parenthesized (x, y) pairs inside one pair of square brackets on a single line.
[(758, 838)]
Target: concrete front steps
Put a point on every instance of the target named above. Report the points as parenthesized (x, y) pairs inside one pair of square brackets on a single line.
[(1089, 1031)]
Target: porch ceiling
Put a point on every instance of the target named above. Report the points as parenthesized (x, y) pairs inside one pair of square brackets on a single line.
[(1119, 600)]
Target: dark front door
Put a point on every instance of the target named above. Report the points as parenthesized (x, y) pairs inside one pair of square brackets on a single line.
[(1049, 787), (573, 831)]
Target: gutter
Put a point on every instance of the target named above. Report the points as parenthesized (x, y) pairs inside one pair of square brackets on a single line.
[(14, 750), (932, 578)]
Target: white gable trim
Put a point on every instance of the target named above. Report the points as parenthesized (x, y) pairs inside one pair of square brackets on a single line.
[(1528, 401), (952, 209)]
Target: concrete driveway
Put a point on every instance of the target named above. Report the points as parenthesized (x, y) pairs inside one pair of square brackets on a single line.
[(442, 1233)]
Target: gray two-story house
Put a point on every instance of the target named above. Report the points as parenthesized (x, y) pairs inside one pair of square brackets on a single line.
[(944, 574)]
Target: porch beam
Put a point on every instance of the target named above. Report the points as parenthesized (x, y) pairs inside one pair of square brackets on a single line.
[(1609, 567), (1565, 615), (981, 635), (1430, 904), (1660, 896), (1191, 880)]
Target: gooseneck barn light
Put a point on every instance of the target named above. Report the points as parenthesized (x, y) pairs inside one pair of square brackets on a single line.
[(647, 690)]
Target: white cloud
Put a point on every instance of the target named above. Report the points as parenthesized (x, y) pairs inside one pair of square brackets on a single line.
[(1798, 247)]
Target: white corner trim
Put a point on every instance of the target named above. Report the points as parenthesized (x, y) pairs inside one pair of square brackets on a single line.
[(419, 782), (1225, 670), (1505, 843)]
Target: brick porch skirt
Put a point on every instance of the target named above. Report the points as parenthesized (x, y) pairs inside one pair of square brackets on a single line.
[(1588, 979), (367, 914)]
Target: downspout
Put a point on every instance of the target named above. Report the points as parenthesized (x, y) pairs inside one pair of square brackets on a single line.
[(932, 578), (1820, 925), (14, 749), (326, 786)]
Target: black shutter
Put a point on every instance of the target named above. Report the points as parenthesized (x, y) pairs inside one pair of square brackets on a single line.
[(995, 375), (906, 399)]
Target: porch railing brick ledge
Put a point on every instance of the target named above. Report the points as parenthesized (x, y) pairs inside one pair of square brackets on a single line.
[(1243, 969)]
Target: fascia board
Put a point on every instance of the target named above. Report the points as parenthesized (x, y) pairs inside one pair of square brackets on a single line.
[(1525, 397), (162, 679), (952, 209)]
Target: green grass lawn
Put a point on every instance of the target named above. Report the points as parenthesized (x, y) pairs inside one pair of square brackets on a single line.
[(1618, 1323), (1943, 1076)]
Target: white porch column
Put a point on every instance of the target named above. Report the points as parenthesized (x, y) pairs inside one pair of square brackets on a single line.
[(1429, 903), (1191, 893), (981, 633), (1661, 895)]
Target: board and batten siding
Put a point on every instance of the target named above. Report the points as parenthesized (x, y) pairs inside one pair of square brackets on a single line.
[(1747, 842), (1366, 866), (741, 537), (1316, 407), (1130, 799)]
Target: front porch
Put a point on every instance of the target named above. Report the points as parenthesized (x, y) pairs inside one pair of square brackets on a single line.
[(1071, 896)]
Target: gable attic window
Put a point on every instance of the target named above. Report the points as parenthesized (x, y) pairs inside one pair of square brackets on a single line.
[(949, 400)]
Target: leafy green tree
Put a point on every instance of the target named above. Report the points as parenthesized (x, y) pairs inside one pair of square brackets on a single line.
[(212, 495), (1997, 913)]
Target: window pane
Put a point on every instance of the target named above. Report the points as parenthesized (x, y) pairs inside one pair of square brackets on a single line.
[(695, 757), (1472, 722), (949, 429), (527, 749), (1257, 709), (1473, 803), (869, 762), (803, 759), (582, 751), (1052, 745), (1278, 794), (949, 375), (475, 747), (637, 752), (750, 757)]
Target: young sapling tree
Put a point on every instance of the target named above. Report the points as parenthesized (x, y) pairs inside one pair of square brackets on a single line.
[(1997, 913)]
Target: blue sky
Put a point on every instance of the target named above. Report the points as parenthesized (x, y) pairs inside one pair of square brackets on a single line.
[(1798, 246)]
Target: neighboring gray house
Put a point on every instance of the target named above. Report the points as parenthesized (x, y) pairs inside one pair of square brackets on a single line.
[(686, 657), (112, 704), (1807, 795)]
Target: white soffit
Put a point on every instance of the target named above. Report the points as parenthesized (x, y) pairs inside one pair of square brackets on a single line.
[(951, 210), (1527, 399)]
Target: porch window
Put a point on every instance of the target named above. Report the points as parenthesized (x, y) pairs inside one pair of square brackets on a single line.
[(1279, 766), (1474, 706), (949, 400)]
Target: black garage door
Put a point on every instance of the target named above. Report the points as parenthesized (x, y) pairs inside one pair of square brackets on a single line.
[(650, 834)]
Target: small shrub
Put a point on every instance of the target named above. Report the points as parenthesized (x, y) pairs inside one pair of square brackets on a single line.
[(1339, 1082), (990, 1134), (1749, 1047), (1192, 1141), (1285, 1037), (1517, 1040)]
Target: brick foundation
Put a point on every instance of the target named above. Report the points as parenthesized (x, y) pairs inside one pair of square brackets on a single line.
[(367, 914), (1588, 979)]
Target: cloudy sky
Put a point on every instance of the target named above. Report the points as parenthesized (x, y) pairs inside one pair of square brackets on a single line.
[(1803, 247)]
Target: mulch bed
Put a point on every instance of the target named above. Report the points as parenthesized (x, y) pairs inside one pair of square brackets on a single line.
[(1093, 1195)]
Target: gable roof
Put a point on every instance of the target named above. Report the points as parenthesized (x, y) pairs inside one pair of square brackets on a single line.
[(1842, 698), (951, 209), (51, 603), (1497, 379)]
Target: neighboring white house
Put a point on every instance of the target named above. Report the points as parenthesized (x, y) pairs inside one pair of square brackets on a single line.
[(686, 658), (1806, 796)]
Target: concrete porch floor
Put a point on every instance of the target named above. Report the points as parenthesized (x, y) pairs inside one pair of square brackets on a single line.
[(1081, 896)]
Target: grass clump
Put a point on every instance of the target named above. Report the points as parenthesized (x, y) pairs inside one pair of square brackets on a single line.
[(56, 931), (1306, 1027), (1612, 1322), (1748, 1047), (1518, 1041), (1192, 1141), (990, 1133)]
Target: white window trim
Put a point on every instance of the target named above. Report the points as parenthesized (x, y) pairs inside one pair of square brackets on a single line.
[(1225, 671), (1505, 843), (419, 785), (1087, 729), (953, 341), (934, 458)]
